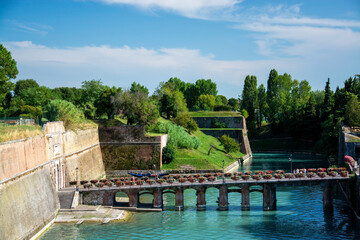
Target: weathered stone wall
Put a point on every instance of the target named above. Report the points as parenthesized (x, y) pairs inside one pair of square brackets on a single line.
[(32, 170), (127, 147), (235, 134), (27, 204), (121, 157), (21, 155), (89, 163), (230, 122)]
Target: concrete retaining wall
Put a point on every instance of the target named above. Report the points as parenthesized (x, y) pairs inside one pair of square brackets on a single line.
[(21, 155), (28, 203)]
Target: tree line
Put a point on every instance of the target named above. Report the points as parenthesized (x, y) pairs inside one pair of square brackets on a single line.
[(292, 109)]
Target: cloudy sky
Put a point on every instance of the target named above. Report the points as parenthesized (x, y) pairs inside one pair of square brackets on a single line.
[(64, 42)]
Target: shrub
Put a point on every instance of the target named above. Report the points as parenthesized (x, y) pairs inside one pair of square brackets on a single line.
[(178, 137), (229, 144), (217, 124), (168, 154), (186, 121), (222, 108), (61, 110)]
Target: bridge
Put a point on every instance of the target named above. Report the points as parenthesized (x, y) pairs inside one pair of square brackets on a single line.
[(107, 195)]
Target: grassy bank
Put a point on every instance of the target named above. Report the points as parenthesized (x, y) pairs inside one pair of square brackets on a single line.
[(199, 158), (10, 133)]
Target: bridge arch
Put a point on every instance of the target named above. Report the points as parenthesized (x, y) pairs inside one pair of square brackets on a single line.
[(121, 199)]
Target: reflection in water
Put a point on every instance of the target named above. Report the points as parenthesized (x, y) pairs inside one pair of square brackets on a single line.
[(299, 214)]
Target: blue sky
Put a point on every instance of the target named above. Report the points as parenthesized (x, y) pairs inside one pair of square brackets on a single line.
[(63, 42)]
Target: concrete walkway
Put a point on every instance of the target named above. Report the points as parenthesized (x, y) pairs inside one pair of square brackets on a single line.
[(87, 213)]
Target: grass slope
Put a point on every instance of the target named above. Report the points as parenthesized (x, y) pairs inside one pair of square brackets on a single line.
[(199, 158), (10, 133), (214, 114)]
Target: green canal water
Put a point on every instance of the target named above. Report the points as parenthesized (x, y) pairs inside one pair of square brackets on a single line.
[(299, 214)]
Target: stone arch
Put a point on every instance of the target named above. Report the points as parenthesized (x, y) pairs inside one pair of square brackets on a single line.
[(121, 199)]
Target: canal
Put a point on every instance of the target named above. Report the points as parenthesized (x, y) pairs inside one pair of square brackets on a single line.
[(299, 214)]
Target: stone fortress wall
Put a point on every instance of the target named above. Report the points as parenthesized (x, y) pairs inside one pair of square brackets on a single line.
[(32, 170)]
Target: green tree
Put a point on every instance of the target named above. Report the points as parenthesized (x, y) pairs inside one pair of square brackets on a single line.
[(61, 110), (72, 95), (262, 102), (230, 145), (272, 91), (194, 91), (234, 103), (8, 71), (22, 85), (187, 122), (168, 154), (91, 91), (136, 87), (206, 102), (352, 113), (136, 107), (249, 99), (103, 104), (171, 100), (36, 96), (221, 100)]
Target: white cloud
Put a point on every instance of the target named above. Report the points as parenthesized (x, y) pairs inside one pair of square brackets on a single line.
[(29, 27), (55, 67), (202, 9)]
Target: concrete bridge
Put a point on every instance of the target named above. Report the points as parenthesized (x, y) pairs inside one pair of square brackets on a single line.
[(106, 195)]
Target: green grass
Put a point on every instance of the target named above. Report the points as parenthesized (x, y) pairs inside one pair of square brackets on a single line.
[(199, 158), (10, 133), (214, 114)]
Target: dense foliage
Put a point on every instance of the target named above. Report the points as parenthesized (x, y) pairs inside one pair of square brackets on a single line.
[(177, 136), (61, 110), (168, 154), (292, 109), (230, 145)]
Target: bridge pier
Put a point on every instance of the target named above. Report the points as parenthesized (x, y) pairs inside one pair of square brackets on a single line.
[(158, 198), (327, 197), (245, 198), (201, 202), (223, 204), (179, 199), (269, 197), (133, 198)]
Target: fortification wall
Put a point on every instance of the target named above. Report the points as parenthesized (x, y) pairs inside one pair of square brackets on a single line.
[(32, 170), (127, 147), (21, 155), (230, 122), (236, 134), (27, 204), (89, 163)]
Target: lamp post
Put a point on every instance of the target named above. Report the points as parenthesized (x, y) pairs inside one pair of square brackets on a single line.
[(223, 161), (290, 160), (77, 179)]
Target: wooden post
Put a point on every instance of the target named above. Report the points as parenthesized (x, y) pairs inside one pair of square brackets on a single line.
[(223, 198), (201, 202), (158, 199), (133, 198), (179, 199), (327, 197), (269, 197), (245, 198)]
